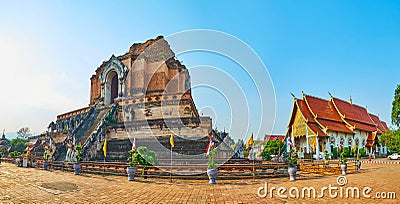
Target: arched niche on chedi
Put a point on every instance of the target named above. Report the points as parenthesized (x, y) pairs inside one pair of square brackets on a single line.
[(112, 80)]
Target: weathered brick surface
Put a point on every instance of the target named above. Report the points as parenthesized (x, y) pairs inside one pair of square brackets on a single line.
[(21, 185)]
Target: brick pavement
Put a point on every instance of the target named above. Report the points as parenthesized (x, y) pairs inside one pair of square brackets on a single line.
[(26, 185)]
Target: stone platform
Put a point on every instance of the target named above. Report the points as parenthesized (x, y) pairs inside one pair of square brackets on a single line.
[(28, 185)]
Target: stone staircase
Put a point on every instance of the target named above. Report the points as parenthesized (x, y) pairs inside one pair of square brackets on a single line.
[(93, 141), (82, 132), (102, 113), (88, 123), (61, 152)]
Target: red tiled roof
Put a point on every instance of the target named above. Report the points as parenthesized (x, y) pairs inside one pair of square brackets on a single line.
[(274, 137), (315, 128), (381, 125), (353, 112), (322, 108), (363, 126), (336, 115), (336, 126), (326, 114), (305, 111)]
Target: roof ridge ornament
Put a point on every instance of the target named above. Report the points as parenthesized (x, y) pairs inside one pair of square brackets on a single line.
[(294, 97), (330, 94), (351, 99)]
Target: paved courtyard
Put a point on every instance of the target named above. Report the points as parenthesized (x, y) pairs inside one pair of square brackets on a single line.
[(28, 185)]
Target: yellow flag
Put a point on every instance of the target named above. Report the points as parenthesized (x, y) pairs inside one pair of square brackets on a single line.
[(250, 141), (105, 147), (171, 140)]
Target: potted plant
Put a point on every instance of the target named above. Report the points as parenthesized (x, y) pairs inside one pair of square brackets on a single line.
[(46, 158), (131, 169), (292, 164), (78, 158), (343, 163), (212, 165), (145, 158)]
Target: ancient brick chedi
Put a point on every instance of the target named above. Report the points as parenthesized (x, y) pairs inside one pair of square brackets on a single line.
[(143, 80), (145, 92)]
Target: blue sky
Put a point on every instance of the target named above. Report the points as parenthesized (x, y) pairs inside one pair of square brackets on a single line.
[(49, 49)]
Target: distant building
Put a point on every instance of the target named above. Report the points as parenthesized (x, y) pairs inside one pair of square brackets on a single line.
[(317, 125), (4, 145), (274, 137)]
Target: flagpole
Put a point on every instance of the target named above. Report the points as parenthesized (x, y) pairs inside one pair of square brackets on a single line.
[(170, 173), (254, 175), (105, 153), (104, 166)]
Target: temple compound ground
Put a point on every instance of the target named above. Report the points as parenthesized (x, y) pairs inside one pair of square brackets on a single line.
[(29, 185)]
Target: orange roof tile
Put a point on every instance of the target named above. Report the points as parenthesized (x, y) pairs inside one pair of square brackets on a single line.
[(381, 125), (363, 126), (305, 111), (315, 128), (353, 112), (336, 126), (322, 108), (326, 114)]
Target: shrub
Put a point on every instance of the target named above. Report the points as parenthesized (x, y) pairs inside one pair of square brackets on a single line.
[(326, 155), (15, 154), (46, 154), (292, 158), (346, 152), (145, 157), (343, 159), (78, 153), (335, 153), (362, 152), (266, 156), (353, 152)]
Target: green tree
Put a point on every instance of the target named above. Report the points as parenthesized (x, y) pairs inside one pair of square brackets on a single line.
[(391, 139), (396, 107), (272, 147), (23, 132), (18, 144)]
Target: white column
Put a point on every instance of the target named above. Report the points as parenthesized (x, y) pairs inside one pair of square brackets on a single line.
[(294, 144), (317, 147), (308, 146), (370, 151)]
